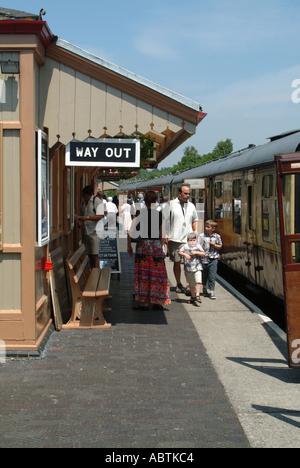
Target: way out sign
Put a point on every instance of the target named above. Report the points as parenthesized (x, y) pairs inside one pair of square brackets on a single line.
[(104, 152)]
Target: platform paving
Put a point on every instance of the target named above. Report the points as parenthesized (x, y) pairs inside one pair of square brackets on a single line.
[(148, 382), (249, 354), (214, 376)]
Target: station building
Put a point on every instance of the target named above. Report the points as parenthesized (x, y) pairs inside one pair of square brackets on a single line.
[(52, 92)]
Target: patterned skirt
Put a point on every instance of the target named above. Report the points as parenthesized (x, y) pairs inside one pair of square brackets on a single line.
[(151, 282)]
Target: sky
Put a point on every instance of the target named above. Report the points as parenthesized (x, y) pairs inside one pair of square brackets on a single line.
[(237, 58)]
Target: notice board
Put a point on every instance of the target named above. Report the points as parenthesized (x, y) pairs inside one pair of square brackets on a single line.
[(109, 252)]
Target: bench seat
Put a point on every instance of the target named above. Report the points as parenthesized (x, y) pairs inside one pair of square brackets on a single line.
[(89, 289)]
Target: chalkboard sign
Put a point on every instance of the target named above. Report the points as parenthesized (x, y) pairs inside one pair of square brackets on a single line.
[(109, 252)]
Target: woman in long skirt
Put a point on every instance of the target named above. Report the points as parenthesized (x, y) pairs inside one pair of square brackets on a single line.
[(151, 283)]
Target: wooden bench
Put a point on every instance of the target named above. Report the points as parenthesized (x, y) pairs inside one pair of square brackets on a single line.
[(89, 291)]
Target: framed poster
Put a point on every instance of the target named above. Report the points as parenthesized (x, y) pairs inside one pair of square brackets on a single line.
[(68, 199), (43, 213), (1, 188)]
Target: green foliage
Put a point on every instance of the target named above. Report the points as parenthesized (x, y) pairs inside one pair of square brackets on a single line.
[(191, 158), (147, 150), (221, 149)]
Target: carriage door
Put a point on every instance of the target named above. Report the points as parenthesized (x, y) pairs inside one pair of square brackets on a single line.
[(288, 182)]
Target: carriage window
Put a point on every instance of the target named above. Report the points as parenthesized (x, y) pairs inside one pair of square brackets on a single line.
[(267, 186), (237, 206), (267, 220), (201, 196), (237, 188), (218, 200), (268, 209), (237, 215), (295, 252), (193, 196), (250, 208), (291, 203), (219, 189)]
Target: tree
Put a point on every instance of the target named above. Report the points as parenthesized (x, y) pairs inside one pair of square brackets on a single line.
[(191, 158), (221, 149)]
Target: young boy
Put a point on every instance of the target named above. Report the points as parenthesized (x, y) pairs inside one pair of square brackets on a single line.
[(211, 242), (192, 253)]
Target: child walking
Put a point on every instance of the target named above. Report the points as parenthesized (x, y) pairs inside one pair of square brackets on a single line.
[(211, 242), (192, 253)]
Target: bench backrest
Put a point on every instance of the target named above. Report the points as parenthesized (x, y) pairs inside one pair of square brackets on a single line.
[(78, 267), (76, 256)]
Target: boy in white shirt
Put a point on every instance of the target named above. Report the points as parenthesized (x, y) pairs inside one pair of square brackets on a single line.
[(192, 253), (211, 242)]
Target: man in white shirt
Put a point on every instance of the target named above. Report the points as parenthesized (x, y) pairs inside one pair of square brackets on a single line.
[(91, 211), (183, 220), (112, 212)]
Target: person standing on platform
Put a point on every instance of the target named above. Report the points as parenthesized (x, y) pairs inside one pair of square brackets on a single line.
[(126, 214), (151, 283), (112, 213), (91, 211), (192, 253), (100, 195), (211, 242), (183, 220), (141, 201)]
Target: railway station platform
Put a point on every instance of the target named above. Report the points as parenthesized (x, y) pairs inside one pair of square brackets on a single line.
[(214, 376)]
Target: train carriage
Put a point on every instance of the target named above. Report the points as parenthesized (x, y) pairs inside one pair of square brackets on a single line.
[(160, 185), (241, 195)]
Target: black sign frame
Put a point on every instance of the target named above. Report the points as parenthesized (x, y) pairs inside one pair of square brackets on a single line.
[(109, 250), (104, 152)]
